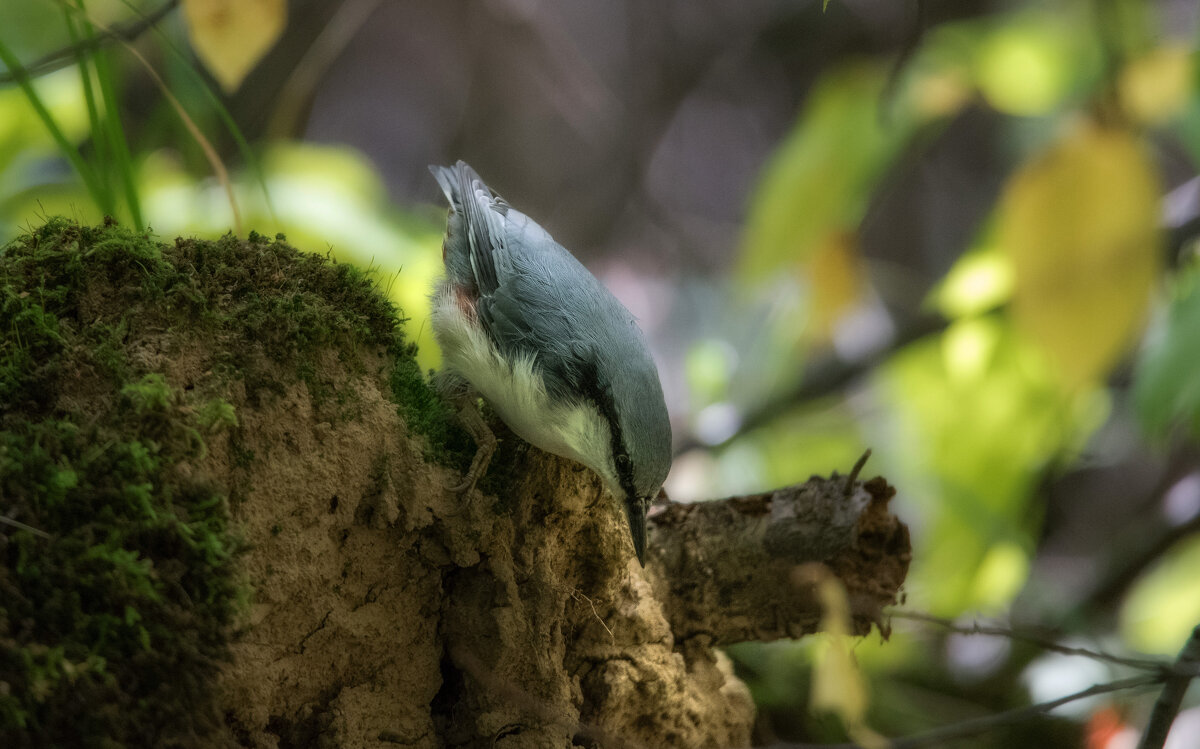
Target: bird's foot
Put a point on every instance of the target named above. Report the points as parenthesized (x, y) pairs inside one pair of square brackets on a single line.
[(457, 390), (485, 447)]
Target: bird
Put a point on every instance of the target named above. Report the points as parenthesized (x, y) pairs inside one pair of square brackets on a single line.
[(524, 325)]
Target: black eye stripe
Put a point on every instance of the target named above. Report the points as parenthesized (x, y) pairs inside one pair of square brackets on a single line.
[(601, 396)]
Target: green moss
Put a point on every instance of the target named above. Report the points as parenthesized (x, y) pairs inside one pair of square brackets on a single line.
[(217, 414), (114, 617), (425, 412), (148, 394), (105, 344)]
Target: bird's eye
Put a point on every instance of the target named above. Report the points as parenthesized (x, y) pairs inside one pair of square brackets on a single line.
[(623, 460)]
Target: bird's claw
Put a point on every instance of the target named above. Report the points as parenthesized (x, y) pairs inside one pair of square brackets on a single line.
[(462, 487), (486, 446)]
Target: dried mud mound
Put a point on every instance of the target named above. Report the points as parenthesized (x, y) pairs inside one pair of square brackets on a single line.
[(228, 524)]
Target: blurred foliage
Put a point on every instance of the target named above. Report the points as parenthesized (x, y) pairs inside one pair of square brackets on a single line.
[(25, 144), (820, 179), (1042, 312), (1162, 610), (1039, 314), (978, 416), (320, 197), (1157, 86), (1030, 62), (1080, 223), (1166, 385)]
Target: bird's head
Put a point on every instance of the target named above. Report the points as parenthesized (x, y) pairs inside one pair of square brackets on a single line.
[(637, 458)]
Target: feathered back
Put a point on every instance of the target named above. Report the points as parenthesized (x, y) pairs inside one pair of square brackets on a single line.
[(535, 299)]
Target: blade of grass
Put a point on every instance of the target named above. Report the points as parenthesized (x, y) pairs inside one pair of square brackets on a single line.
[(113, 160), (85, 77), (122, 159), (223, 114), (210, 153), (119, 144), (68, 149)]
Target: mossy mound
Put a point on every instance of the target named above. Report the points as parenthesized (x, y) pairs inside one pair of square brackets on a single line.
[(219, 529), (119, 586)]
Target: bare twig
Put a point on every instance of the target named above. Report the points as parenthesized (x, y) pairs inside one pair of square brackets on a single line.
[(724, 570), (6, 520), (578, 595), (975, 726), (1159, 666), (1166, 707), (857, 469), (61, 58)]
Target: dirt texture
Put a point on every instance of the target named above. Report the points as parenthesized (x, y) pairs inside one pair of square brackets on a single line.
[(387, 610)]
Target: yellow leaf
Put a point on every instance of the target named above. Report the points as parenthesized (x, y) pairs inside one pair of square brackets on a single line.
[(1080, 223), (231, 36), (941, 93), (1024, 68), (820, 178), (979, 281), (836, 273), (1157, 85), (838, 685)]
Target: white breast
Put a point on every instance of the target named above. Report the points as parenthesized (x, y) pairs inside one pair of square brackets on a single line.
[(517, 392)]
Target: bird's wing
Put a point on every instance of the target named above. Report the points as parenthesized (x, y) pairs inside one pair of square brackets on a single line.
[(536, 308), (531, 291), (485, 224), (482, 212)]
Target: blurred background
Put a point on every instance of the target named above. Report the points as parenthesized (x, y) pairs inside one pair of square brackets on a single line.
[(957, 232)]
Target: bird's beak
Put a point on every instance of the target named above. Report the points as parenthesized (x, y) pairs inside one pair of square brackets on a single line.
[(635, 513)]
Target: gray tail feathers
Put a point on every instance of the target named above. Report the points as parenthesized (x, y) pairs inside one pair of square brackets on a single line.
[(455, 182), (471, 229), (635, 512)]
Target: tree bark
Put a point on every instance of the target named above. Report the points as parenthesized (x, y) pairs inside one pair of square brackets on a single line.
[(718, 567)]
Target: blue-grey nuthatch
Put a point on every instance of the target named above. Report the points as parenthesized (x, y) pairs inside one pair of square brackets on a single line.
[(526, 326)]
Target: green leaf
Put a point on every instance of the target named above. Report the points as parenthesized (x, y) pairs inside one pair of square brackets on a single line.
[(820, 178), (1080, 223), (1166, 390), (1160, 611), (972, 492)]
